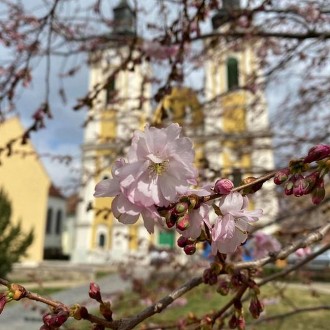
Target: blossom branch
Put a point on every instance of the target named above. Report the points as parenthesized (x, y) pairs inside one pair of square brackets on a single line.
[(296, 266), (259, 180), (286, 251), (158, 306)]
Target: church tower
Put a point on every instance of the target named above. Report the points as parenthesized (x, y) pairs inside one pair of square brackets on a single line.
[(117, 111), (237, 119)]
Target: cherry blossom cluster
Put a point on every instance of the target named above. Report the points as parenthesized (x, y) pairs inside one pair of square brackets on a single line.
[(155, 182), (306, 175)]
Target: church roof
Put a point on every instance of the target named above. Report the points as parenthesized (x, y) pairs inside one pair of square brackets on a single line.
[(55, 192)]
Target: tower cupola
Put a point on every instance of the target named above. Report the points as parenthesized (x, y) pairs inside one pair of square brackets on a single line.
[(124, 19), (223, 15)]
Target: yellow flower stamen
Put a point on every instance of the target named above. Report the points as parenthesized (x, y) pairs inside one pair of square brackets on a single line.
[(158, 168)]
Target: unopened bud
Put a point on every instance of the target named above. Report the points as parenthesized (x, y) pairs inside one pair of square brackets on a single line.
[(181, 208), (256, 307), (318, 152), (281, 176), (189, 249), (300, 186), (223, 186), (95, 292), (311, 180), (288, 188), (3, 301), (171, 219), (183, 222), (241, 324), (233, 322), (182, 241), (55, 320)]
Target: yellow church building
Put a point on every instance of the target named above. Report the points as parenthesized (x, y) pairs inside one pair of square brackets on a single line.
[(25, 181)]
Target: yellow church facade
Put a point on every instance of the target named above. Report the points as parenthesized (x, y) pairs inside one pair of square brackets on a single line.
[(26, 183)]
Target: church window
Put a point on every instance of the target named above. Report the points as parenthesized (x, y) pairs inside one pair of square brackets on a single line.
[(101, 241), (58, 228), (49, 220), (110, 89), (232, 73)]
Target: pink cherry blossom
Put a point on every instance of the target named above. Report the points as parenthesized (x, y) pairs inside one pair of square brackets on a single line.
[(303, 252), (122, 209), (230, 230), (263, 244), (160, 167)]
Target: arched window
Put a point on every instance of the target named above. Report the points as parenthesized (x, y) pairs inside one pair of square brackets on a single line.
[(49, 220), (58, 228), (101, 242), (110, 90), (232, 73)]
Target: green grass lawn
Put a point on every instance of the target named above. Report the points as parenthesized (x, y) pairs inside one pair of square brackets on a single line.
[(204, 299)]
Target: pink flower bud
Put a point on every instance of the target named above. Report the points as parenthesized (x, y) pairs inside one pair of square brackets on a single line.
[(223, 186), (288, 188), (318, 193), (94, 292), (55, 320), (183, 222), (256, 307), (300, 186), (241, 324), (189, 249), (311, 180), (281, 176), (233, 322), (171, 219), (182, 241), (3, 301), (317, 153)]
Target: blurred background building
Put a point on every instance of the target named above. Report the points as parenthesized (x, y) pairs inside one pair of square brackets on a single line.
[(230, 133)]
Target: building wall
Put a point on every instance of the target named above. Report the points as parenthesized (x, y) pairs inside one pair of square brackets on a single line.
[(26, 182)]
